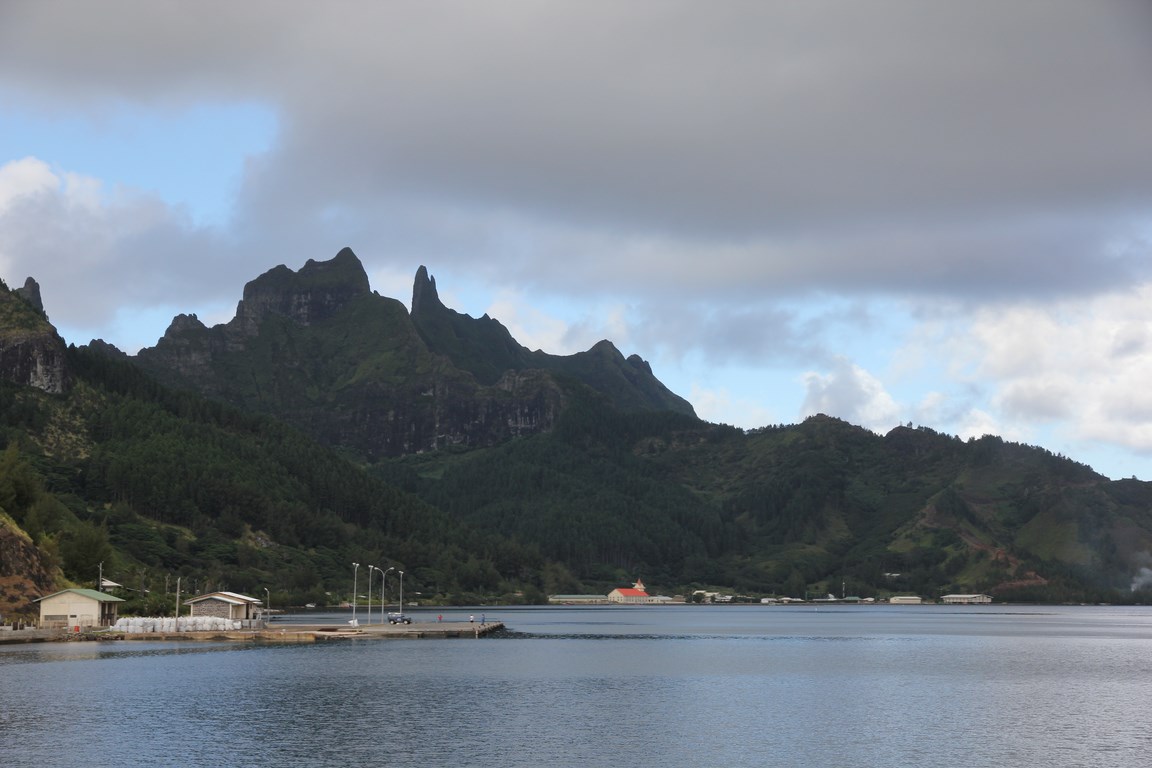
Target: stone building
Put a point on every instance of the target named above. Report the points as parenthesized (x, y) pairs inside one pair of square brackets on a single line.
[(226, 605)]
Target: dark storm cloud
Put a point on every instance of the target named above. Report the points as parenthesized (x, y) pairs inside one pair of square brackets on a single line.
[(732, 148)]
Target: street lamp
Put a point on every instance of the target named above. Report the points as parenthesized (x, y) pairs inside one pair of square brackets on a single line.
[(355, 568), (370, 569), (267, 607), (401, 592), (383, 579)]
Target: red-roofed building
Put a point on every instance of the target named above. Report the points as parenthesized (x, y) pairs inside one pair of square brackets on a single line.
[(637, 594)]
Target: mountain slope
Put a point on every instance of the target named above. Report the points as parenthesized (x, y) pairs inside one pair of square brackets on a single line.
[(809, 508)]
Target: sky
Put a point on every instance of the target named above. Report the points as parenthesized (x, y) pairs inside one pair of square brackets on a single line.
[(893, 212)]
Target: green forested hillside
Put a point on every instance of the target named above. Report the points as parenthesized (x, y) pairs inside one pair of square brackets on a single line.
[(580, 476), (805, 509), (157, 484)]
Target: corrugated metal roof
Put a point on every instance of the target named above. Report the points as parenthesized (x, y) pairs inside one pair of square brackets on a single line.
[(232, 598), (102, 597)]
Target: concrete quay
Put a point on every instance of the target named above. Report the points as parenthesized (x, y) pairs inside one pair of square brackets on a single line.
[(285, 633), (414, 631)]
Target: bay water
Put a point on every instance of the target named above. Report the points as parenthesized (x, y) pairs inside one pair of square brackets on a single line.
[(843, 686)]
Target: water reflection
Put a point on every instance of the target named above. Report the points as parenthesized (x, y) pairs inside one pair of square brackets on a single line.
[(40, 653)]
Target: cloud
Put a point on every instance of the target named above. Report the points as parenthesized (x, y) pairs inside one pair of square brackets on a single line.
[(803, 147), (742, 184), (21, 179), (719, 406), (851, 393), (95, 250), (1078, 365)]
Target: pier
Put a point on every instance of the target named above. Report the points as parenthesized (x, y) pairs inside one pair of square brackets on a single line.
[(285, 633), (415, 631)]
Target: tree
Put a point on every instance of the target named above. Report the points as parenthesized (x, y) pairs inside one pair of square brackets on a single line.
[(84, 550)]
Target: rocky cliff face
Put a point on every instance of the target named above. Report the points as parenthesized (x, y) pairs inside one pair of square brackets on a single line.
[(24, 574), (319, 349), (32, 354), (31, 294), (317, 292)]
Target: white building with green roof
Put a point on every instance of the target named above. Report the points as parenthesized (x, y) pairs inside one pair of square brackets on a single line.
[(77, 608)]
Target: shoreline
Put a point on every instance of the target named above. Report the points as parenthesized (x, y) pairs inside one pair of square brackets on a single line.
[(288, 634)]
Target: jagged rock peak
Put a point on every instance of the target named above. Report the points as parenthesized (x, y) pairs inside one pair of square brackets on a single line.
[(101, 347), (345, 265), (318, 291), (31, 293), (640, 363), (32, 354), (184, 323), (605, 348), (424, 293)]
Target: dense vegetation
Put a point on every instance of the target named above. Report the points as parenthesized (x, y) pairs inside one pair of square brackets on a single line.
[(800, 510), (158, 484), (579, 475)]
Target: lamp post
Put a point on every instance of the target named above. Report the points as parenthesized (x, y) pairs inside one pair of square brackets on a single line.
[(355, 569), (267, 607), (401, 592), (370, 569), (383, 599)]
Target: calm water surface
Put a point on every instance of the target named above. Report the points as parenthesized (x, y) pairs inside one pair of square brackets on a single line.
[(611, 686)]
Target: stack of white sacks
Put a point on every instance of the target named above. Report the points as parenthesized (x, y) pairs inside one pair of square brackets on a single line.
[(142, 624)]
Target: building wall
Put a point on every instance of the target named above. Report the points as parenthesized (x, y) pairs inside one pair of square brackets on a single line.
[(213, 607), (69, 610)]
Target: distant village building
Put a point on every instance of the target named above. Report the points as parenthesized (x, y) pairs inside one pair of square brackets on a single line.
[(226, 605), (77, 609), (965, 599), (636, 595), (905, 600), (577, 599)]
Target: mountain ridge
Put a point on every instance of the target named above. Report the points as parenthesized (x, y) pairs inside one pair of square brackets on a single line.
[(575, 491), (319, 349)]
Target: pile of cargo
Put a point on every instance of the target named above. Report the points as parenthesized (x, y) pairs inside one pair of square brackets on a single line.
[(135, 625)]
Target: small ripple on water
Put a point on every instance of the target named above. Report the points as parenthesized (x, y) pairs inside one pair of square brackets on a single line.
[(512, 634)]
